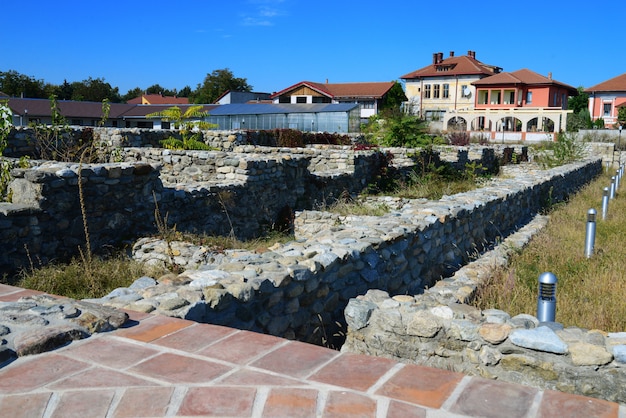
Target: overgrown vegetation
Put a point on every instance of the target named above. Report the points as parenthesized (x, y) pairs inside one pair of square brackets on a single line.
[(189, 123), (6, 124), (590, 292), (398, 129), (293, 138), (564, 150)]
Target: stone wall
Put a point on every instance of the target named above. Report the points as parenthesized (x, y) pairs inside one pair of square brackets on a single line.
[(437, 329), (247, 191), (300, 289), (44, 221)]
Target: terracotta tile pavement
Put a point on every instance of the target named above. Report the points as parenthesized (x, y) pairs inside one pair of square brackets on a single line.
[(32, 405), (421, 385), (144, 402), (291, 403), (242, 347), (490, 398), (296, 359), (175, 368), (195, 337), (84, 404), (218, 402), (159, 366)]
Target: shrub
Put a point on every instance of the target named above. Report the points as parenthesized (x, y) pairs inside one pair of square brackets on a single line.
[(458, 138)]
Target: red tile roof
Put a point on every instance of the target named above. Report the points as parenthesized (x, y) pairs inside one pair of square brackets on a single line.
[(614, 84), (344, 90), (461, 65), (522, 77), (158, 99)]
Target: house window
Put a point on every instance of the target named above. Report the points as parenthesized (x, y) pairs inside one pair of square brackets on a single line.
[(427, 91), (321, 99), (436, 88), (76, 122), (165, 125), (446, 91), (509, 97), (496, 97), (529, 97), (367, 105), (483, 97), (301, 99), (607, 109)]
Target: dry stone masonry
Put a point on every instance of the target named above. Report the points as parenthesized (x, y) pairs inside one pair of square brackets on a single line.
[(301, 289), (384, 272)]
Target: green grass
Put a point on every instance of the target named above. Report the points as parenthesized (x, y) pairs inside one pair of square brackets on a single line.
[(590, 292)]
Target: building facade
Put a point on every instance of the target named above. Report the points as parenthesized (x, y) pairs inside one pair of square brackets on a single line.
[(605, 100), (445, 85), (517, 106), (368, 96)]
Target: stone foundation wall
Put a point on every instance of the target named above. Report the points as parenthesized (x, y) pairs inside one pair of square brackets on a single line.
[(437, 329), (300, 289), (247, 192)]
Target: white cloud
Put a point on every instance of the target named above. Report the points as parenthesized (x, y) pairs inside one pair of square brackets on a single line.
[(263, 13)]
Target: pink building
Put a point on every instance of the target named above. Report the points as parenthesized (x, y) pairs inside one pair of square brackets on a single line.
[(515, 106), (606, 98)]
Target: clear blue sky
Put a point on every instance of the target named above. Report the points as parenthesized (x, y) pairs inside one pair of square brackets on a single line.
[(277, 43)]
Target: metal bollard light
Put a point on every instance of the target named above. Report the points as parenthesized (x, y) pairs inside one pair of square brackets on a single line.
[(612, 193), (546, 301), (590, 236), (605, 203)]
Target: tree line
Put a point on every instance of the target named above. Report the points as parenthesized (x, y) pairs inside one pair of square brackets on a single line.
[(14, 84)]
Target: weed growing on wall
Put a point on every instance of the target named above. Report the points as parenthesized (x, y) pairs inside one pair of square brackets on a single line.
[(6, 123), (566, 149)]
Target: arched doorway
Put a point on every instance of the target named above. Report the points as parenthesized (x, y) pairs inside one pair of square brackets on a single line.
[(457, 124)]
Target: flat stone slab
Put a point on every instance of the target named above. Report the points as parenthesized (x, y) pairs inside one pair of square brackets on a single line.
[(541, 339)]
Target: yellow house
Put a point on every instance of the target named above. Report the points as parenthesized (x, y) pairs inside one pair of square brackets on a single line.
[(445, 85)]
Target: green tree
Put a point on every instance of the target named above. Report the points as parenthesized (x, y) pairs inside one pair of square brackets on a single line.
[(578, 121), (621, 115), (579, 102), (216, 83), (95, 90), (131, 94), (157, 89), (394, 98), (15, 84), (395, 129), (185, 92), (64, 91)]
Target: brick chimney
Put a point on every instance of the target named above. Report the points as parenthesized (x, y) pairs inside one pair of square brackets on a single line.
[(471, 54), (439, 57), (451, 54), (435, 56), (550, 75)]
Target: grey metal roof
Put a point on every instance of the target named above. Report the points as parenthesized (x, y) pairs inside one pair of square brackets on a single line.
[(266, 108)]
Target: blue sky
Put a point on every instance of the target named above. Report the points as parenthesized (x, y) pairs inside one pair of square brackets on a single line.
[(277, 43)]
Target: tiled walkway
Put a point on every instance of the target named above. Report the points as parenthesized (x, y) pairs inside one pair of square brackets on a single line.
[(159, 366)]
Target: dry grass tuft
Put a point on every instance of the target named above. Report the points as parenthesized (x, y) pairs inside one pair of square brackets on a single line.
[(590, 292)]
